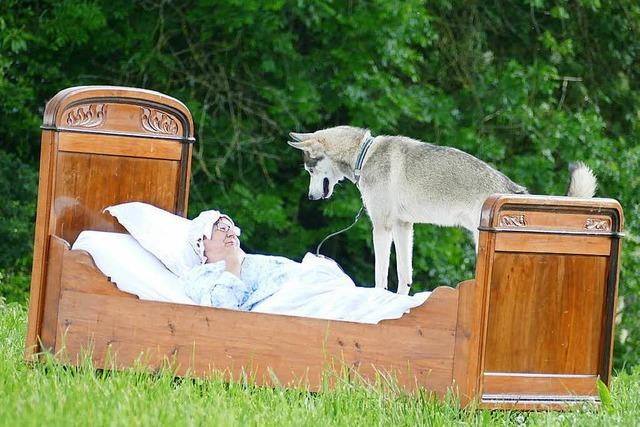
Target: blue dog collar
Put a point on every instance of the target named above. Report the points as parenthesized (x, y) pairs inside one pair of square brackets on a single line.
[(364, 147)]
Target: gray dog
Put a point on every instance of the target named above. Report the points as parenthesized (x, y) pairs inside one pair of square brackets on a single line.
[(405, 181)]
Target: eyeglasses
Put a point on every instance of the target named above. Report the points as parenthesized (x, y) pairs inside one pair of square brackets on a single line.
[(225, 227)]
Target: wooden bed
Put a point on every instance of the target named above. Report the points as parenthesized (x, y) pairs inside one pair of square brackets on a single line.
[(534, 329)]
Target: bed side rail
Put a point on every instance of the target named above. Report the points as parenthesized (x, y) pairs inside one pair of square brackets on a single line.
[(544, 300)]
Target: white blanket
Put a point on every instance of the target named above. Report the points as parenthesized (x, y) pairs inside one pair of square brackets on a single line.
[(320, 290), (323, 290)]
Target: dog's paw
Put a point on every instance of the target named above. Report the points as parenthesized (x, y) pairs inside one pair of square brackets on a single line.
[(404, 289)]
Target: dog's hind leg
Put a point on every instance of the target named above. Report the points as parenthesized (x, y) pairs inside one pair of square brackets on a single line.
[(475, 224), (476, 238), (471, 222), (403, 242), (382, 249)]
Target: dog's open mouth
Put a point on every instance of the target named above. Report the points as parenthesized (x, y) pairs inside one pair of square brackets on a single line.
[(325, 188)]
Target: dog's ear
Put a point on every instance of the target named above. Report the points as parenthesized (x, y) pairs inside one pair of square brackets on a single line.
[(311, 146), (298, 145), (299, 137)]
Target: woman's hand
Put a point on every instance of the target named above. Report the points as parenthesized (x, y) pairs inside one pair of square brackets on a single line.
[(232, 254)]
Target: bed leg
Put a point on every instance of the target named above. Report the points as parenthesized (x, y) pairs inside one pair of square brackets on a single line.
[(45, 330)]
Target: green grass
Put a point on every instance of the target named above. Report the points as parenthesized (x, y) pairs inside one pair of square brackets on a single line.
[(49, 394)]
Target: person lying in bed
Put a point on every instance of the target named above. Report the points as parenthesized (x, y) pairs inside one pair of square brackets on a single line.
[(228, 277), (173, 259), (316, 287)]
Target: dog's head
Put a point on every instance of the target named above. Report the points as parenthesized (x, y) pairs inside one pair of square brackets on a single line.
[(329, 155), (324, 172)]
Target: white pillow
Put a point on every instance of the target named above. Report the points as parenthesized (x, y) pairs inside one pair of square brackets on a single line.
[(162, 233), (131, 267)]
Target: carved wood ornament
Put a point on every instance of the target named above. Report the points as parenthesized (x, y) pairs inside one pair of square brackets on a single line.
[(87, 116), (513, 221), (158, 122), (597, 224)]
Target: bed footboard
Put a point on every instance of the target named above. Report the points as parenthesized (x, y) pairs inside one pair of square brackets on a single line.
[(538, 326)]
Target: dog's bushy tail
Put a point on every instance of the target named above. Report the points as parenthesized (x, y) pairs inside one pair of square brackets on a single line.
[(583, 181)]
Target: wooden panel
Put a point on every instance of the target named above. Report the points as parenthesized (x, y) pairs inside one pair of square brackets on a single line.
[(75, 187), (519, 385), (570, 212), (466, 348), (561, 220), (85, 187), (537, 403), (40, 245), (82, 274), (57, 248), (546, 313), (120, 146), (611, 311), (130, 118), (550, 243), (417, 348), (292, 348), (118, 110), (551, 283), (183, 195), (471, 327)]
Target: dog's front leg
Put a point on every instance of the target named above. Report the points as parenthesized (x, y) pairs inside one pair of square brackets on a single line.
[(403, 241), (382, 249)]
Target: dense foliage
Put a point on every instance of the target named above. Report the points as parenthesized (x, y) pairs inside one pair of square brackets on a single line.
[(527, 86)]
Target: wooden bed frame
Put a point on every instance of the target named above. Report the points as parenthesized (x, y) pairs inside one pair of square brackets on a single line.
[(534, 329)]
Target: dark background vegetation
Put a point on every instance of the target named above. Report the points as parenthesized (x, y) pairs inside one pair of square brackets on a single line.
[(527, 86)]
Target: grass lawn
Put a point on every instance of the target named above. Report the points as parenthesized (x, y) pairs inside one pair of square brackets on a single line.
[(48, 394)]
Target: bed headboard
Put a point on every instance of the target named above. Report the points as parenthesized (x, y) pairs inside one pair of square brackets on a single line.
[(547, 280), (103, 145)]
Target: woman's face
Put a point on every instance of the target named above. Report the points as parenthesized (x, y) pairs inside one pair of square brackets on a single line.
[(223, 239)]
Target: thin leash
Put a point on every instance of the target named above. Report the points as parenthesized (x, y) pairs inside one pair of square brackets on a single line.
[(318, 254), (368, 140)]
